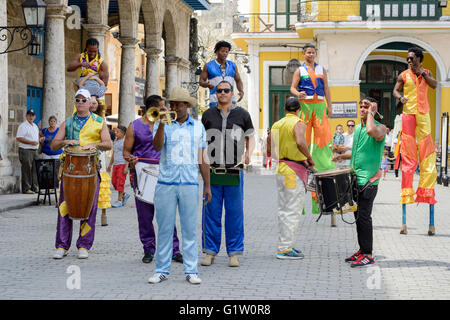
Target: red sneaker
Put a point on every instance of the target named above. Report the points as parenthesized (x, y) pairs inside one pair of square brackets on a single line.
[(354, 257), (362, 261)]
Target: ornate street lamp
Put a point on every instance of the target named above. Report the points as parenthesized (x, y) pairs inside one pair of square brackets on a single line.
[(34, 14)]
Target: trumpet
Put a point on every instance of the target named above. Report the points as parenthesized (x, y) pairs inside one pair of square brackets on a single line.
[(153, 115)]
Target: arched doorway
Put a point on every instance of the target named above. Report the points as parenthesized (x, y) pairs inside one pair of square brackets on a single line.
[(378, 78), (395, 49)]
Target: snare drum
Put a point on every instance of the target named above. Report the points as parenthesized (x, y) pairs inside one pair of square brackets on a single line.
[(80, 181), (335, 190), (147, 177)]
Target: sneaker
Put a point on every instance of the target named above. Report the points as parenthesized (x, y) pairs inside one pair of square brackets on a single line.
[(117, 204), (178, 257), (362, 261), (193, 278), (60, 253), (29, 191), (125, 198), (354, 257), (208, 260), (148, 257), (83, 253), (292, 254), (234, 261), (158, 277)]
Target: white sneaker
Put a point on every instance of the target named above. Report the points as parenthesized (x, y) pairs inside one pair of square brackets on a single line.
[(193, 278), (83, 253), (60, 253), (158, 277)]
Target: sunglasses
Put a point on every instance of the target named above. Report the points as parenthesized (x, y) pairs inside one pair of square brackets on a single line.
[(409, 58), (223, 90), (350, 125), (80, 100)]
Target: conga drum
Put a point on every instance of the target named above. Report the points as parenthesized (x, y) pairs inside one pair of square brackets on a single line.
[(79, 181)]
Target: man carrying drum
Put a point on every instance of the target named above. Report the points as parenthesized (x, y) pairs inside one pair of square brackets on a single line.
[(286, 142), (89, 131), (138, 147), (229, 130), (365, 159)]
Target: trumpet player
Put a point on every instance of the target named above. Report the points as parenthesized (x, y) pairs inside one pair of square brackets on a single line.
[(138, 146), (183, 152)]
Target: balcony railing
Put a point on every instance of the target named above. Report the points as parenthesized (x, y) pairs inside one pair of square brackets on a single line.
[(339, 10)]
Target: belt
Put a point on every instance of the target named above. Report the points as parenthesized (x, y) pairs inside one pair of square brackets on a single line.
[(223, 170)]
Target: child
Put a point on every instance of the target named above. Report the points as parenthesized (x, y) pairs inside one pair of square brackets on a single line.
[(120, 168), (338, 140), (385, 163)]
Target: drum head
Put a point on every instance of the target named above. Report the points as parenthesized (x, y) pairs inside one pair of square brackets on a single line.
[(333, 172), (77, 151)]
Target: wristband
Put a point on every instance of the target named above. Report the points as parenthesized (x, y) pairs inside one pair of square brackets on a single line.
[(424, 74)]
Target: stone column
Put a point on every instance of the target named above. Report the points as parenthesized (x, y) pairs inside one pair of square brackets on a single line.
[(7, 180), (171, 74), (54, 102), (253, 85), (97, 31), (127, 89), (152, 73)]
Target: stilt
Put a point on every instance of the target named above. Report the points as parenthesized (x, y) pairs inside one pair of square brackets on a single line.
[(333, 220), (104, 219), (403, 229), (431, 230)]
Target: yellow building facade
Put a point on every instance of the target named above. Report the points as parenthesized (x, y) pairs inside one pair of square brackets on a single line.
[(362, 45)]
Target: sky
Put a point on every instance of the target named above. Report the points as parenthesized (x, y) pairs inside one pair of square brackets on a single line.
[(244, 6)]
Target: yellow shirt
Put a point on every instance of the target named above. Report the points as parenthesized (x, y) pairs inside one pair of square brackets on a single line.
[(283, 136)]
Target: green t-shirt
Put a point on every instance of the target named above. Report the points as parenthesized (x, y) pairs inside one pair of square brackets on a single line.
[(366, 155)]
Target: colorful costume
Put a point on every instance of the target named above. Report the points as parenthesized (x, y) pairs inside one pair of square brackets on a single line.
[(314, 114), (85, 134), (416, 136), (216, 74), (94, 65)]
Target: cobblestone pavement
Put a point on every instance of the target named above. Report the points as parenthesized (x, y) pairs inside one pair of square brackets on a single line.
[(413, 266)]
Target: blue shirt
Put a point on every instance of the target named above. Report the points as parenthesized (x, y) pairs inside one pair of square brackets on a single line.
[(179, 155), (216, 74), (49, 136)]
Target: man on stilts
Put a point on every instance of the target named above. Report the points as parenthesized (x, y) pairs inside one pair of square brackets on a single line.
[(417, 145), (310, 85)]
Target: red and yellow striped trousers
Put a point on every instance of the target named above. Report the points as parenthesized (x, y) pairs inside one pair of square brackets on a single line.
[(418, 148)]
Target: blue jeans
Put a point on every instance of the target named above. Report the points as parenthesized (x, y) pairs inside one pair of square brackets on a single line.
[(167, 199), (233, 199)]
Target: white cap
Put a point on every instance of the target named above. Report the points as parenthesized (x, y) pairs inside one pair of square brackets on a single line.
[(85, 93)]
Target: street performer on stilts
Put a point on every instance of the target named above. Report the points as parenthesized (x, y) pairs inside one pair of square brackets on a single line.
[(310, 86), (416, 135)]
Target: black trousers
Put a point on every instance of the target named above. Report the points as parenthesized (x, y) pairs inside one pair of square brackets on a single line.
[(363, 215)]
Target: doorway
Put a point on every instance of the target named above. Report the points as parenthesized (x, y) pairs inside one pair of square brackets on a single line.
[(378, 78), (279, 91)]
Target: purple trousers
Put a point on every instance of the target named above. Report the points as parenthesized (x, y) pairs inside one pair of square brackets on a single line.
[(65, 224), (145, 214)]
